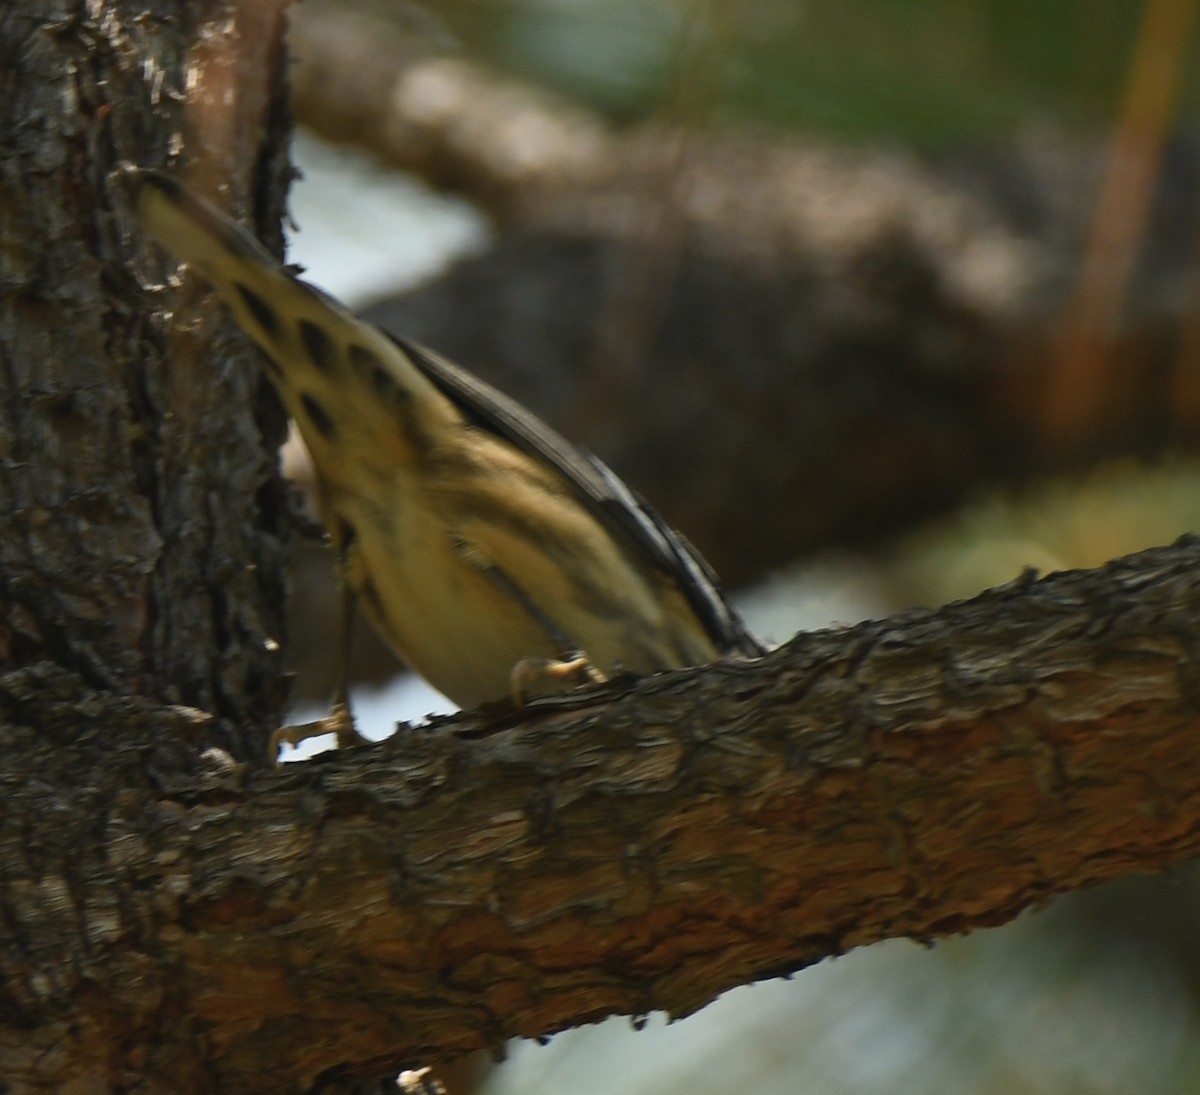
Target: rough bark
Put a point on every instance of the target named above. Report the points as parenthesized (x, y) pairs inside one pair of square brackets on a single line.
[(141, 545), (182, 923)]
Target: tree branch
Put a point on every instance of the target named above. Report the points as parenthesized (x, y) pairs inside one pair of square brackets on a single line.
[(659, 843)]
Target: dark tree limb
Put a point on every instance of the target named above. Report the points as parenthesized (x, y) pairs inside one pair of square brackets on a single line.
[(662, 841), (787, 347)]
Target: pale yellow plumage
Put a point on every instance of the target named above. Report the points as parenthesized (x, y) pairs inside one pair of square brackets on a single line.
[(478, 539)]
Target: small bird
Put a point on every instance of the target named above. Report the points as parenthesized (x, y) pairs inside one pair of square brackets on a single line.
[(496, 558)]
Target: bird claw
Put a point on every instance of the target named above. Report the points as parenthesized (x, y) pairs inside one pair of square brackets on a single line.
[(339, 722), (559, 673)]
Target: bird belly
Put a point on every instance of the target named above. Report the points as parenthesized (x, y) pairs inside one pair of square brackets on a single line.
[(423, 576), (444, 616)]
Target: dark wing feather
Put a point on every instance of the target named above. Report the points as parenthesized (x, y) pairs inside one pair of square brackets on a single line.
[(620, 509)]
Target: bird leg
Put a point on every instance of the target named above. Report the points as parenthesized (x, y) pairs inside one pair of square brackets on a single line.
[(572, 667), (340, 720)]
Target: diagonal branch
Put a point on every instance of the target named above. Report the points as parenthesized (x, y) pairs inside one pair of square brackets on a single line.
[(661, 842)]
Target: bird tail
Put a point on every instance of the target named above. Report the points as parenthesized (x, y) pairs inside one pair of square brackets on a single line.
[(342, 380)]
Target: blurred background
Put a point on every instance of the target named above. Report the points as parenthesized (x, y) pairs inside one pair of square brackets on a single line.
[(880, 302)]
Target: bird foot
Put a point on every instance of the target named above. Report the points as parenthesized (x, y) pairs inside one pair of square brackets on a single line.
[(531, 676), (339, 722)]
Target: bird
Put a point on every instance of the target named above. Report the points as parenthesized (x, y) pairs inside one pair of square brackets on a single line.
[(496, 558)]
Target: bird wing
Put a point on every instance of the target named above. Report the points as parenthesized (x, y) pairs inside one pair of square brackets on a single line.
[(620, 509)]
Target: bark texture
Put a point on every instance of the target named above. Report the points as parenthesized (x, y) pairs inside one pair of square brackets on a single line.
[(141, 545), (194, 925)]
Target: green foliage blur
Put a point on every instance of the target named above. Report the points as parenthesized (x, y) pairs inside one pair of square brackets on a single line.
[(930, 73)]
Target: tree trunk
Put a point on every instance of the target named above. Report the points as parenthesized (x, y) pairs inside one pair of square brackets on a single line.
[(140, 555), (142, 550)]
